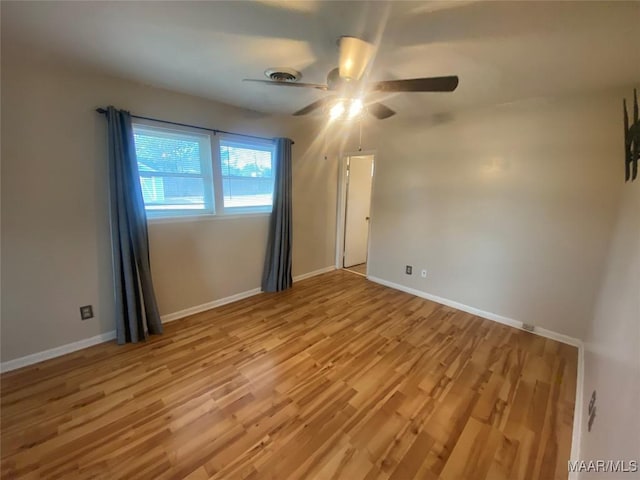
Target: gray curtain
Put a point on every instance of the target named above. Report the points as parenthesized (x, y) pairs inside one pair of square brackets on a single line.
[(136, 308), (276, 275)]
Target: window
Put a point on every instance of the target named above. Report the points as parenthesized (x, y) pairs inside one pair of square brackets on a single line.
[(247, 175), (179, 175), (175, 171)]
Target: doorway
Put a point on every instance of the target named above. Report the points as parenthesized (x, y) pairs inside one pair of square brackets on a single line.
[(356, 218)]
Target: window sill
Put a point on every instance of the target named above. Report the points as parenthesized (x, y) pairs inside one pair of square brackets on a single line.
[(206, 217)]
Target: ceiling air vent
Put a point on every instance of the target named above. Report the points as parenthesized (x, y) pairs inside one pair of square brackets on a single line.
[(282, 74)]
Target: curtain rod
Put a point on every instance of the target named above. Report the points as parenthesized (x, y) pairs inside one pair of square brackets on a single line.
[(103, 111)]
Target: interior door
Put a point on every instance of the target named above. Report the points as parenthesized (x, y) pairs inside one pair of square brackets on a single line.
[(356, 230)]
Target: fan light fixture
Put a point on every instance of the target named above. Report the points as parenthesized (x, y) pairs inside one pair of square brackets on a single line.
[(349, 107), (337, 110), (355, 108)]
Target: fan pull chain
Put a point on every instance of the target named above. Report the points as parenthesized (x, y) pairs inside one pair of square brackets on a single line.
[(360, 139), (324, 141)]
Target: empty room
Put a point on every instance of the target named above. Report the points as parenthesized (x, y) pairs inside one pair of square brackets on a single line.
[(348, 240)]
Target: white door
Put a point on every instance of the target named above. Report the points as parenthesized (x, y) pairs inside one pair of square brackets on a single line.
[(356, 229)]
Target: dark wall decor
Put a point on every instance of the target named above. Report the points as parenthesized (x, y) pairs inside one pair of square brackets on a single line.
[(631, 140)]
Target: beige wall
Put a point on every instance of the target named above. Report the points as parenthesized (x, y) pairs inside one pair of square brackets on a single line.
[(509, 209), (55, 233), (612, 357)]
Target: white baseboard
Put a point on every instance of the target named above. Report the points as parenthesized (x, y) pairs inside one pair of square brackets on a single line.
[(543, 332), (320, 271), (56, 352), (170, 317)]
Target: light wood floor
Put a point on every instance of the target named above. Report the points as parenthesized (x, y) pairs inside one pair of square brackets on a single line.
[(336, 378)]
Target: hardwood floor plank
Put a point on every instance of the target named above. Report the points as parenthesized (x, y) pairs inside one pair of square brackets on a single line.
[(336, 378)]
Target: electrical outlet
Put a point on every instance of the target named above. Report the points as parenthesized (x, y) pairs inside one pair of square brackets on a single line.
[(86, 312), (423, 274), (408, 270)]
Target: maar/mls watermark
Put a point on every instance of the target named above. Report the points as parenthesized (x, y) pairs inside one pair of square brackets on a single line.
[(604, 466)]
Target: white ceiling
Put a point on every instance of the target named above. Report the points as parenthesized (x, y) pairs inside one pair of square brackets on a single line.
[(502, 51)]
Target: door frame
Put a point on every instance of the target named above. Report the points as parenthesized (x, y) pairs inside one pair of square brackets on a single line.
[(342, 205)]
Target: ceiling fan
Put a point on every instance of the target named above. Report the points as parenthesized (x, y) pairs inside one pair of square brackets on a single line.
[(347, 82)]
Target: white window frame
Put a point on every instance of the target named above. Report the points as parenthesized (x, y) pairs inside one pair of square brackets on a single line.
[(206, 173), (211, 173), (260, 144)]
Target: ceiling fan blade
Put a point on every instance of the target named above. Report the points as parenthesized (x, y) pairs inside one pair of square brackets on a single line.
[(317, 86), (314, 106), (355, 55), (431, 84), (380, 111)]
